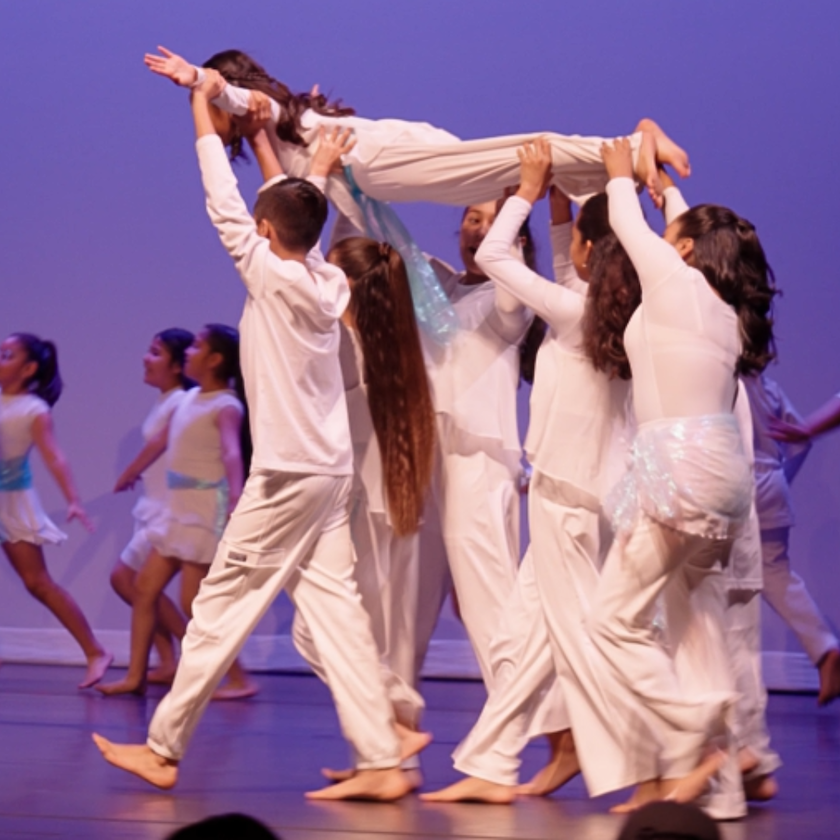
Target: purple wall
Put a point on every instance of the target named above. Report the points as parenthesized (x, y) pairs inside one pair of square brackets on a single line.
[(105, 240)]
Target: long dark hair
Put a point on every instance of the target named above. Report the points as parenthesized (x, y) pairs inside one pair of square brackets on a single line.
[(536, 332), (729, 254), (397, 385), (46, 381), (224, 340), (241, 70), (176, 341), (614, 291)]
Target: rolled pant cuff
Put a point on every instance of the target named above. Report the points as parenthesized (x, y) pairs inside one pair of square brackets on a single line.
[(385, 763), (495, 775), (162, 751)]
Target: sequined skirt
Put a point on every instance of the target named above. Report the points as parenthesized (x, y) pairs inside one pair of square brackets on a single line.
[(689, 473)]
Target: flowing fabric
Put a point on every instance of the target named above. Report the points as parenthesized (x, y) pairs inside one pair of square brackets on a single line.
[(434, 312), (15, 474), (179, 481)]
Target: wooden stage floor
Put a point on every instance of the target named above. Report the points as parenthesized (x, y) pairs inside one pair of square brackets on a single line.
[(259, 756)]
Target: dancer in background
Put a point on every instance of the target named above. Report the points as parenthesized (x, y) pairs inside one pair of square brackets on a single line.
[(290, 530), (705, 316), (163, 367), (204, 475), (30, 385)]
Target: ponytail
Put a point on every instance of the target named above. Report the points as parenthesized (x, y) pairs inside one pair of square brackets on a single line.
[(533, 339), (46, 381), (176, 341), (224, 340), (398, 390)]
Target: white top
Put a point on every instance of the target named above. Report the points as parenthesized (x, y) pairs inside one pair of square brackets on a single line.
[(576, 433), (194, 447), (474, 378), (289, 337), (776, 463), (683, 341), (371, 137), (17, 413), (153, 500)]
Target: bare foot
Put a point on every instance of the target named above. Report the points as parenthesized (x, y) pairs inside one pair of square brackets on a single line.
[(123, 686), (761, 788), (236, 690), (646, 792), (472, 789), (372, 785), (337, 775), (694, 785), (646, 169), (667, 151), (162, 675), (562, 765), (139, 760), (411, 741), (829, 669), (96, 667)]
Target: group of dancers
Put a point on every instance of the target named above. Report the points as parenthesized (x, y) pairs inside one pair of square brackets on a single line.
[(377, 466)]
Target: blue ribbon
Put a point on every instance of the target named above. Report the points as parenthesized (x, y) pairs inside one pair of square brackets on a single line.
[(434, 312), (15, 474), (179, 481)]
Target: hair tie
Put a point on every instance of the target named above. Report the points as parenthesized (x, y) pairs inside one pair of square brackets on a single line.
[(385, 250)]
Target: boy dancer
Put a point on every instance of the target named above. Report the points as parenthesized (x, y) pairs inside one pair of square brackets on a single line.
[(290, 529)]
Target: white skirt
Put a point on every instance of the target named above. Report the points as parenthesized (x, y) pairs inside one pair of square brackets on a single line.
[(22, 519)]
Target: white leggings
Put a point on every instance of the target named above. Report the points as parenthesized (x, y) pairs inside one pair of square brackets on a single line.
[(292, 532)]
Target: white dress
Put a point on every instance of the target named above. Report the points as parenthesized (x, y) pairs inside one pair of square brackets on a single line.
[(22, 519), (197, 487), (152, 503)]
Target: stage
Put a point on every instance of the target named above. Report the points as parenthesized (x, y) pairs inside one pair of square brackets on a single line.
[(259, 756)]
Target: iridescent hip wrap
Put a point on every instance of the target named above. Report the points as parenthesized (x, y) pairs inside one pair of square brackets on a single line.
[(15, 474), (179, 481)]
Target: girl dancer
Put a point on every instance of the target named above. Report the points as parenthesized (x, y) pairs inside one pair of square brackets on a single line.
[(29, 386), (204, 462), (577, 415), (164, 369), (706, 298), (396, 160)]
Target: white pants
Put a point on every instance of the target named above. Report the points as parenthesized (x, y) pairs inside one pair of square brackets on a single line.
[(479, 507), (292, 532), (787, 594), (670, 708), (474, 171)]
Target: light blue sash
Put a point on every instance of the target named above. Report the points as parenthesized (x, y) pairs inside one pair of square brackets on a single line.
[(179, 481), (432, 308), (15, 474)]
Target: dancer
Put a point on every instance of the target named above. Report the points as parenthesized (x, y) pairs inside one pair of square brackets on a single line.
[(163, 367), (777, 463), (706, 297), (395, 160), (290, 529), (204, 476), (30, 385), (573, 443)]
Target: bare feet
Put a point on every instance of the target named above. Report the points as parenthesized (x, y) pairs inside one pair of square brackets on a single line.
[(411, 741), (162, 675), (829, 669), (97, 665), (413, 776), (372, 785), (139, 760), (126, 685), (562, 765), (667, 151), (761, 788), (646, 169), (694, 785), (472, 789), (646, 792), (236, 690)]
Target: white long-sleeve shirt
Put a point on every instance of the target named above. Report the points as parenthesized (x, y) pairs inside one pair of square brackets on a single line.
[(289, 336), (576, 433), (683, 341)]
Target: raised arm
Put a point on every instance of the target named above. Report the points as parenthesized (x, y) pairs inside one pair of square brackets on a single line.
[(654, 259), (556, 305), (560, 233), (673, 202)]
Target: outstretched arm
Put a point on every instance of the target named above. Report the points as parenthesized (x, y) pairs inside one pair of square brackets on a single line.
[(43, 436), (824, 419), (145, 458)]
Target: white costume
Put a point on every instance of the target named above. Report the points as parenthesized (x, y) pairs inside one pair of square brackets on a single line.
[(577, 419), (290, 528), (22, 519), (151, 506), (776, 464), (397, 160), (197, 497), (687, 494)]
